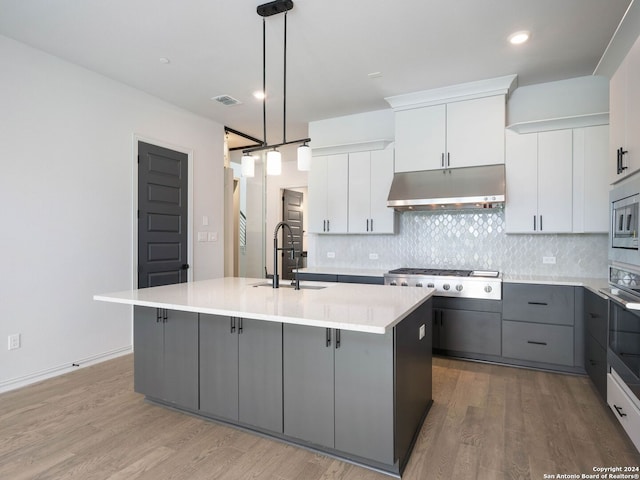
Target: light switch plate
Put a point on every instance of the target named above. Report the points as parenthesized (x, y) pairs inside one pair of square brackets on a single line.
[(331, 254), (213, 236), (202, 236), (549, 260), (373, 256)]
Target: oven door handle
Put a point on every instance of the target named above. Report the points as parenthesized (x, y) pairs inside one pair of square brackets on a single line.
[(629, 305)]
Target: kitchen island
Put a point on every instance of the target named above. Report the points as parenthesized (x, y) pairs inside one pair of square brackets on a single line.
[(343, 369)]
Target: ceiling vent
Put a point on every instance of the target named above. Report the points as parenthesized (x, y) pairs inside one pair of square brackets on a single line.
[(227, 100)]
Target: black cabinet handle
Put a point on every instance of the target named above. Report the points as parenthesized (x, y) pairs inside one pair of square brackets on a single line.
[(165, 317), (185, 266), (328, 226), (233, 324), (540, 222), (240, 326), (337, 338), (592, 362), (534, 223), (328, 337), (622, 154), (536, 343), (618, 160), (158, 315), (448, 159), (372, 224), (367, 224), (619, 410), (442, 160), (537, 303)]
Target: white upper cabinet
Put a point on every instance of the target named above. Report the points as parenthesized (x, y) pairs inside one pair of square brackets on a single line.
[(328, 194), (624, 115), (370, 177), (590, 185), (556, 181), (457, 134), (539, 180)]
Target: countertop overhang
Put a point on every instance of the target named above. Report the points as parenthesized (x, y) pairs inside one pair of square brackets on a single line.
[(355, 307)]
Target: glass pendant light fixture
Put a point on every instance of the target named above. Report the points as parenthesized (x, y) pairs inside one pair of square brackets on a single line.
[(274, 158), (304, 157), (248, 166), (274, 162)]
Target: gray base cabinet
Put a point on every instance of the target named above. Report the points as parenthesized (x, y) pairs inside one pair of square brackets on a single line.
[(542, 326), (466, 326), (166, 355), (241, 370), (595, 347), (361, 394)]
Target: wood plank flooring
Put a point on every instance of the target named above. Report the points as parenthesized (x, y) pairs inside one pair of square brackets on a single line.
[(487, 422)]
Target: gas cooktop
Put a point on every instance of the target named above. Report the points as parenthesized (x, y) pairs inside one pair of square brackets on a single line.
[(438, 272)]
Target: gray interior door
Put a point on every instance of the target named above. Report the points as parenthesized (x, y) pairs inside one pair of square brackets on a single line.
[(292, 214), (162, 216)]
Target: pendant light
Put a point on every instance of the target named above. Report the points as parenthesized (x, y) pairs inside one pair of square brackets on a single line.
[(274, 158), (248, 166), (274, 162), (304, 157)]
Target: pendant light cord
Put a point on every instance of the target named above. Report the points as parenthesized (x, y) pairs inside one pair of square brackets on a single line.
[(284, 100), (264, 81)]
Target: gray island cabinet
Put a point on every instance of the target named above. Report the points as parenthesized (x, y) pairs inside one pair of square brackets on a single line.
[(344, 370)]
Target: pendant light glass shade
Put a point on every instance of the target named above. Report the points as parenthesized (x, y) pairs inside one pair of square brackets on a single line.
[(248, 166), (304, 157), (274, 162)]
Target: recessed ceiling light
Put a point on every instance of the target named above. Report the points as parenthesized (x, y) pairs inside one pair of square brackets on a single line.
[(374, 74), (520, 37), (259, 95), (164, 60)]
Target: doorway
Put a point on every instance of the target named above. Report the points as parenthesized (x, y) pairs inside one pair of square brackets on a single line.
[(163, 213), (293, 214)]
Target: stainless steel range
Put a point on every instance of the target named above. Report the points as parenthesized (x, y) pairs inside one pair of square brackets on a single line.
[(481, 284)]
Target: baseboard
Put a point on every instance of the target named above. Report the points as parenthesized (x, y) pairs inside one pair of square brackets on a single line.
[(25, 380)]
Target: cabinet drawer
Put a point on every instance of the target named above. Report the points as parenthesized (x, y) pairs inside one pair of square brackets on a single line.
[(624, 409), (596, 313), (538, 342), (538, 303)]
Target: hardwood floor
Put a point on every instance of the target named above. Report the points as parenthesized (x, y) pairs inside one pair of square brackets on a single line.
[(487, 422)]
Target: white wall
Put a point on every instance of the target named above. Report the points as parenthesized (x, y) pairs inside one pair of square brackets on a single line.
[(66, 190)]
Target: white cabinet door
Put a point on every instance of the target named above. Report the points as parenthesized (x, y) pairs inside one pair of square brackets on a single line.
[(521, 207), (337, 193), (555, 181), (359, 192), (617, 119), (590, 182), (420, 138), (318, 185), (632, 159), (475, 132), (383, 218)]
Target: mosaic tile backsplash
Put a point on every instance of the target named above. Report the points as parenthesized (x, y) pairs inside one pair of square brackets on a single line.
[(469, 240)]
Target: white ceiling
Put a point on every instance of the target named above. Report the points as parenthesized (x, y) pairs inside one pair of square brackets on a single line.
[(215, 47)]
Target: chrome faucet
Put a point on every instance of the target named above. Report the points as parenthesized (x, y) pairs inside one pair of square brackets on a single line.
[(276, 249)]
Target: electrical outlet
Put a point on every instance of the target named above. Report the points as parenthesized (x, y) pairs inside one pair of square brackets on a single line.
[(422, 332), (14, 341), (331, 254), (373, 256), (549, 260)]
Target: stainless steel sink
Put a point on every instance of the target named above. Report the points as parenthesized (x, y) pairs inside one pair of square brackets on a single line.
[(287, 285)]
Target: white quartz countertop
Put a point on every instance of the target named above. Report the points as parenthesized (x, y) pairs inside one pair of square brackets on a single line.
[(359, 272), (593, 284), (346, 306)]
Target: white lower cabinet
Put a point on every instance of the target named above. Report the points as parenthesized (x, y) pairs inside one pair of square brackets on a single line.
[(623, 408)]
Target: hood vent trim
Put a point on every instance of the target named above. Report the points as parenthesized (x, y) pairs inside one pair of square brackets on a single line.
[(467, 188)]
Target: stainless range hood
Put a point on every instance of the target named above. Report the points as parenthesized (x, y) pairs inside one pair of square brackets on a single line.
[(450, 189)]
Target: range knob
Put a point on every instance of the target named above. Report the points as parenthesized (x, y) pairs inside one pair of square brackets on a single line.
[(488, 288), (446, 286), (419, 284), (459, 287), (404, 284), (393, 282), (431, 285)]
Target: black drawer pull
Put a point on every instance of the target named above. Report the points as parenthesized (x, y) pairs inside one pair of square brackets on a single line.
[(536, 343), (328, 339), (537, 303), (593, 315), (619, 410)]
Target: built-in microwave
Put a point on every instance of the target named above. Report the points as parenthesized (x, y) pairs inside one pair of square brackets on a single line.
[(624, 215)]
